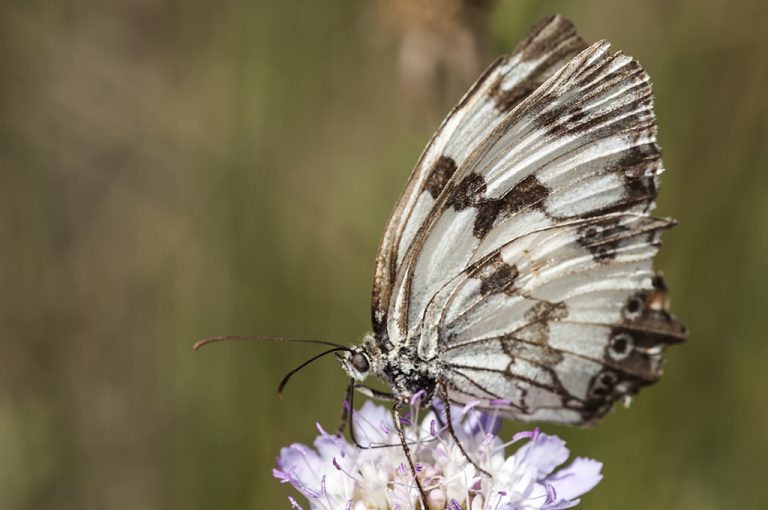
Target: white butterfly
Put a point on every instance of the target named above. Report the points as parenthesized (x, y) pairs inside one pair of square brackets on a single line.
[(516, 268)]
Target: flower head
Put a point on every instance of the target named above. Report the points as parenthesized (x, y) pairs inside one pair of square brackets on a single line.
[(337, 475)]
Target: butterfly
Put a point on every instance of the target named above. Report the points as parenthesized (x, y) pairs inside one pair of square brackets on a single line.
[(516, 270)]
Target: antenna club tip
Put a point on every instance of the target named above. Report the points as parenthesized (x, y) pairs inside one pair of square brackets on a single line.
[(198, 344)]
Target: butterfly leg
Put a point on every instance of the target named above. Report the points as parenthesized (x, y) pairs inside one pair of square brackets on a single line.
[(347, 415), (346, 410), (401, 433), (447, 401)]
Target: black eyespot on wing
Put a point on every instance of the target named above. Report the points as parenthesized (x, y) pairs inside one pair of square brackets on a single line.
[(601, 238)]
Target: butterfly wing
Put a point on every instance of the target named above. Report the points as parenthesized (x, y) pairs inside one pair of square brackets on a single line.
[(546, 328), (519, 280), (548, 46)]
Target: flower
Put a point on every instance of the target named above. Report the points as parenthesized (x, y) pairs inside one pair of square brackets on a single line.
[(336, 475)]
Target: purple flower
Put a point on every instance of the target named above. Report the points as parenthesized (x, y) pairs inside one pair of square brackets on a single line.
[(335, 474)]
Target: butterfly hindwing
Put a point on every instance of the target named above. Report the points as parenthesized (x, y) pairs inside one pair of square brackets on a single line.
[(545, 316)]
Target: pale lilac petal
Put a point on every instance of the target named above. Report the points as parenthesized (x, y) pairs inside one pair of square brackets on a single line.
[(331, 446), (368, 421), (545, 453), (301, 463), (581, 476)]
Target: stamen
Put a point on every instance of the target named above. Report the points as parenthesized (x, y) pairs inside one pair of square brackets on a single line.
[(551, 494), (527, 434), (416, 398), (310, 493), (432, 428), (294, 504), (501, 496), (351, 477), (470, 406), (282, 476), (455, 505)]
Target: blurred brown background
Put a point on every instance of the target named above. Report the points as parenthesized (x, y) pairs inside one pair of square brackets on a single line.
[(171, 170)]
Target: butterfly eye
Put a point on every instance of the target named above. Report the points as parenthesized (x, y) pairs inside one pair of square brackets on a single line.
[(360, 362)]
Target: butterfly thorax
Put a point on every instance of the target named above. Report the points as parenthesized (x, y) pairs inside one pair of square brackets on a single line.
[(407, 374), (400, 368)]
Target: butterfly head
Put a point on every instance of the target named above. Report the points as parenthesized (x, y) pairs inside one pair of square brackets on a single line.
[(359, 361)]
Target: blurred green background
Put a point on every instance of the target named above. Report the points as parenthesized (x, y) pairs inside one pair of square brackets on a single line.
[(172, 170)]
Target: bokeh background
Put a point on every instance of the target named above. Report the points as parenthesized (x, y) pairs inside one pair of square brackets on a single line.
[(172, 170)]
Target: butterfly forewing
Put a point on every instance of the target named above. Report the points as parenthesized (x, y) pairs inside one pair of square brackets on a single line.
[(518, 262), (548, 46)]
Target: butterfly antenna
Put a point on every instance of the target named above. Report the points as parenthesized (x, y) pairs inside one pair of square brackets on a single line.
[(239, 338), (282, 384)]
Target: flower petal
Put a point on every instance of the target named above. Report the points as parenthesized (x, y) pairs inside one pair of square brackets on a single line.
[(578, 478), (545, 453), (301, 464), (368, 424)]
